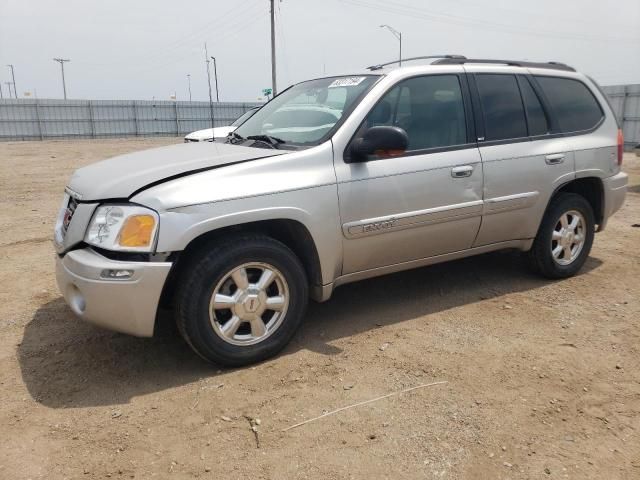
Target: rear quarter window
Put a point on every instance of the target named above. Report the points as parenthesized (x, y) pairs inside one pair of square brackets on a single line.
[(573, 104)]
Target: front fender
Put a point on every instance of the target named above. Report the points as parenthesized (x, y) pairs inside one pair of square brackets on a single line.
[(315, 208)]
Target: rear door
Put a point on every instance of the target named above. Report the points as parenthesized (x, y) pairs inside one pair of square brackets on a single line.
[(523, 158)]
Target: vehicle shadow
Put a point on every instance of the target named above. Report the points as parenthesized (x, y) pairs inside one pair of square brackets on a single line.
[(633, 188), (67, 363)]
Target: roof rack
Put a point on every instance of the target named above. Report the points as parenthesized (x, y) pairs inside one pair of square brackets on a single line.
[(443, 57), (513, 63)]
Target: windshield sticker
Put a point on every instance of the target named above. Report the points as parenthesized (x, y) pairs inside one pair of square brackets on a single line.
[(347, 82)]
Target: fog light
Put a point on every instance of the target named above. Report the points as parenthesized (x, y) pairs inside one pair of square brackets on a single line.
[(116, 274)]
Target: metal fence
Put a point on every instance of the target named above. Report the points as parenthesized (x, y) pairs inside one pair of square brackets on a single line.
[(35, 119), (27, 119), (625, 100)]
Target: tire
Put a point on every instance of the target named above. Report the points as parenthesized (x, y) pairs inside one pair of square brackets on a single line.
[(217, 274), (568, 262)]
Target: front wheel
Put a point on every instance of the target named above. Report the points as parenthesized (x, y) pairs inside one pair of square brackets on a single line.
[(565, 237), (242, 300)]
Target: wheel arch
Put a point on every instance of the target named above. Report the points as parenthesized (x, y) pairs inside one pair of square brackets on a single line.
[(292, 233), (590, 188)]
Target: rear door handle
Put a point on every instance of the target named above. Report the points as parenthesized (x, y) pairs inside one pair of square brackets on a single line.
[(554, 159), (462, 171)]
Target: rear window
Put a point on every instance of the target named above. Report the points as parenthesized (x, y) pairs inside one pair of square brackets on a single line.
[(501, 106), (572, 102)]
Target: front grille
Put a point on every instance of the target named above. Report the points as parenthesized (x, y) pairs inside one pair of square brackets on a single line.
[(68, 214)]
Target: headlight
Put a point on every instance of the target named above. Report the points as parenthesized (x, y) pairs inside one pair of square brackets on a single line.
[(123, 227)]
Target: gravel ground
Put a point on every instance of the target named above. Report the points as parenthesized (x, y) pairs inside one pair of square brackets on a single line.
[(543, 377)]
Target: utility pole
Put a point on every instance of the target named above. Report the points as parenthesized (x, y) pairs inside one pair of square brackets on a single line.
[(206, 59), (189, 80), (8, 84), (215, 74), (273, 49), (398, 35), (61, 62), (13, 78)]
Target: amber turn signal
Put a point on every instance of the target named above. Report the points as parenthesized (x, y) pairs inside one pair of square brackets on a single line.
[(137, 231)]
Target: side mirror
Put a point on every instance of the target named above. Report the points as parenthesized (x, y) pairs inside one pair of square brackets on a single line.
[(383, 141)]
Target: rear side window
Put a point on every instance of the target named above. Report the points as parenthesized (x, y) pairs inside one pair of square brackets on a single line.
[(572, 102), (501, 106), (536, 117)]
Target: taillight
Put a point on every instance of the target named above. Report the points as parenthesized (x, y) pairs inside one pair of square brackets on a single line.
[(620, 146)]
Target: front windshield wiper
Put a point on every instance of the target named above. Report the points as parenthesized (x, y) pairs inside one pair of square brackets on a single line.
[(234, 136), (273, 141)]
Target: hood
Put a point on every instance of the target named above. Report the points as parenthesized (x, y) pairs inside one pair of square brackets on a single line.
[(121, 176), (218, 132)]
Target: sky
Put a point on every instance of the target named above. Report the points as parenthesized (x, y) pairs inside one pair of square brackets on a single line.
[(144, 49)]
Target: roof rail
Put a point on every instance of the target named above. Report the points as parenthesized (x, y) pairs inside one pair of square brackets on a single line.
[(448, 57), (513, 63)]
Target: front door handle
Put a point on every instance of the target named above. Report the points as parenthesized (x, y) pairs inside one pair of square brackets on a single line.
[(554, 159), (462, 171)]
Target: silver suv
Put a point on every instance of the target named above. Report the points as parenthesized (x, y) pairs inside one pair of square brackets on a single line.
[(336, 180)]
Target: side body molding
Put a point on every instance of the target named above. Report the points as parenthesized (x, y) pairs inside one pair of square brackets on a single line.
[(406, 220)]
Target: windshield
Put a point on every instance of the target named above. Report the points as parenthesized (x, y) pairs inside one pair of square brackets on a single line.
[(243, 118), (306, 113)]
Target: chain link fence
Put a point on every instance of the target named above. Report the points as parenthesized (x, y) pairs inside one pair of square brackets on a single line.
[(35, 119)]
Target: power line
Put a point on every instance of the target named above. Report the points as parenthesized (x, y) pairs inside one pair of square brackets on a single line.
[(545, 16), (179, 57), (219, 24), (390, 6)]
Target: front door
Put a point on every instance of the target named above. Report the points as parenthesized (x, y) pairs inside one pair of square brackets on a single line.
[(426, 201)]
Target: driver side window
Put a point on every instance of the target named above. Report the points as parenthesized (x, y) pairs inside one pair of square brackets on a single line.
[(430, 109)]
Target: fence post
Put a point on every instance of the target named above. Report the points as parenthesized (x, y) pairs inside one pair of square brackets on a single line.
[(91, 121), (624, 107), (39, 121), (177, 120), (135, 117)]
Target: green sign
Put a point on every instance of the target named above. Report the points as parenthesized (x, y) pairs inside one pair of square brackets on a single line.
[(266, 91)]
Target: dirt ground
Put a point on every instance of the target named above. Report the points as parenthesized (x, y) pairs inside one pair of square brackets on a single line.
[(543, 377)]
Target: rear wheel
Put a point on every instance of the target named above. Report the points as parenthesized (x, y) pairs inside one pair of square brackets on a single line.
[(241, 301), (565, 237)]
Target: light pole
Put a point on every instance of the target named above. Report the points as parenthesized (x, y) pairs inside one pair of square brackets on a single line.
[(274, 89), (189, 80), (13, 78), (215, 75), (207, 61), (398, 35), (61, 62)]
